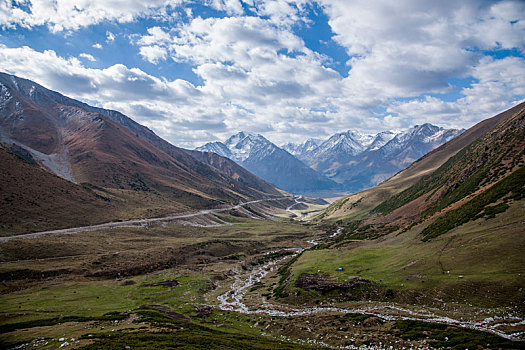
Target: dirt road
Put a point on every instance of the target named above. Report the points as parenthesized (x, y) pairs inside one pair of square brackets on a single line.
[(127, 223)]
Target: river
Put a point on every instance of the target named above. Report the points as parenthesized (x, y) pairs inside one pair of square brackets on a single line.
[(233, 300)]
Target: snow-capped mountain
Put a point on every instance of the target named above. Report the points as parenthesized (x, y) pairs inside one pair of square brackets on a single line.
[(270, 162), (241, 146), (420, 139), (298, 149), (338, 147), (381, 139), (217, 147), (359, 160), (352, 159)]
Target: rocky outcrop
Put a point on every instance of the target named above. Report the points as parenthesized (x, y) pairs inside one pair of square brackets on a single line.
[(326, 283)]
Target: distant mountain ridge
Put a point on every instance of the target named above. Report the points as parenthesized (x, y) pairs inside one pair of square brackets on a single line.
[(358, 160), (302, 148), (352, 160), (271, 163)]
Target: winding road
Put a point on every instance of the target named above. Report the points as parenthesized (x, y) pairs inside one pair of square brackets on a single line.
[(133, 222)]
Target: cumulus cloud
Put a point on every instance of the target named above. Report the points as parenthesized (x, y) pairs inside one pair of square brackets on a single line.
[(153, 53), (251, 69), (231, 7), (412, 47), (499, 85), (110, 37), (244, 40), (74, 14), (156, 35), (97, 46), (283, 13), (254, 70), (87, 57)]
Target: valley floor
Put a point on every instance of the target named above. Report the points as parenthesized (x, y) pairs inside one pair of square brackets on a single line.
[(232, 286)]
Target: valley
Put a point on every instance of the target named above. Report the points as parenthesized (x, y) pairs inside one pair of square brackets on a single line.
[(192, 286), (142, 244)]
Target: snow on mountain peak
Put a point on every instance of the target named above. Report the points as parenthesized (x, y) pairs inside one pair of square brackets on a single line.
[(234, 139), (240, 146), (349, 142), (381, 139), (299, 149)]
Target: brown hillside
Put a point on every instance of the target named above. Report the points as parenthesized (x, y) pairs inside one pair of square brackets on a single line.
[(106, 149), (36, 200)]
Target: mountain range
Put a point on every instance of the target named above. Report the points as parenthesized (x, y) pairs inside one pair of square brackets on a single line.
[(358, 161), (271, 163), (110, 157), (349, 161)]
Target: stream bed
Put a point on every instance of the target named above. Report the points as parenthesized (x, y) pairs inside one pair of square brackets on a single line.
[(233, 300)]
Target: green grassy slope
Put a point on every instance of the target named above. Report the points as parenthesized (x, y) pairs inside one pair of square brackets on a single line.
[(477, 265), (481, 163)]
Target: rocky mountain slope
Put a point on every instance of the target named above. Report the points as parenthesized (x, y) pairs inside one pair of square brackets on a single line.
[(34, 199), (271, 163), (106, 150)]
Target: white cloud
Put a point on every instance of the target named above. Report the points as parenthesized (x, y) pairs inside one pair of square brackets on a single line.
[(87, 57), (426, 110), (74, 14), (97, 46), (231, 7), (258, 75), (407, 48), (110, 36), (499, 85), (282, 13), (153, 53), (246, 61), (156, 35), (244, 40)]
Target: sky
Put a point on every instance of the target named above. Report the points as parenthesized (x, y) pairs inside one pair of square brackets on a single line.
[(200, 71)]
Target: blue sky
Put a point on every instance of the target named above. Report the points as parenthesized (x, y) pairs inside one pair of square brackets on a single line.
[(199, 71)]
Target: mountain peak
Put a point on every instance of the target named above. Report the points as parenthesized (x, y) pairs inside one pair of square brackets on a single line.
[(425, 128), (270, 162), (347, 143), (242, 136), (380, 140), (300, 149)]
